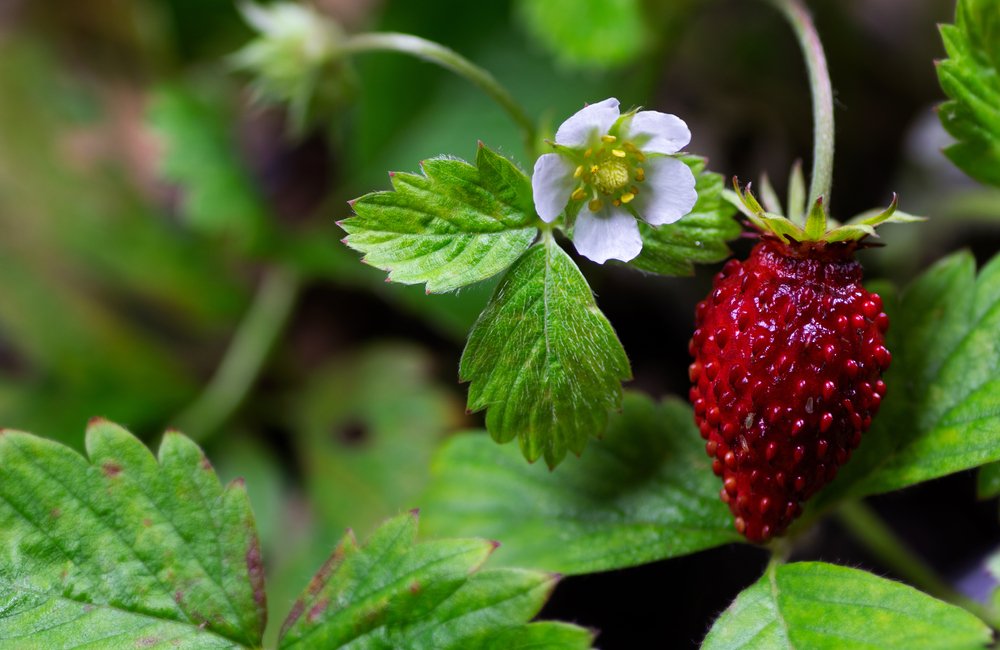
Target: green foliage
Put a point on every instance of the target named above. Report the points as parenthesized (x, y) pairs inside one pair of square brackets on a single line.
[(941, 413), (219, 196), (971, 78), (543, 360), (700, 236), (588, 33), (644, 492), (455, 225), (367, 427), (822, 606), (395, 593), (988, 484), (124, 547)]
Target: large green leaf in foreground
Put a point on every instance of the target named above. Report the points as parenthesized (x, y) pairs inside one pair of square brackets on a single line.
[(826, 607), (122, 550), (395, 593), (941, 413), (542, 358), (970, 76), (645, 492), (455, 225), (700, 237)]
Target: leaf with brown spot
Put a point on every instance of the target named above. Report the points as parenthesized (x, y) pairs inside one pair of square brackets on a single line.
[(125, 546)]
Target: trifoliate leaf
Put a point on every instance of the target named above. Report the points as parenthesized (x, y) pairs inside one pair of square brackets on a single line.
[(941, 413), (455, 225), (395, 593), (542, 358), (826, 607), (124, 549), (971, 78), (699, 237), (642, 493), (597, 33), (218, 195)]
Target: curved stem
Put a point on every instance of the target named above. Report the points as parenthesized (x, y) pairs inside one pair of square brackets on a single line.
[(822, 96), (869, 529), (450, 60), (245, 357)]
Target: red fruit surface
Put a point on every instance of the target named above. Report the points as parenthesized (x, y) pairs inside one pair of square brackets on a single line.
[(789, 353)]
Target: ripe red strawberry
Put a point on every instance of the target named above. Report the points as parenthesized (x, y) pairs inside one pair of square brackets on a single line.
[(789, 354)]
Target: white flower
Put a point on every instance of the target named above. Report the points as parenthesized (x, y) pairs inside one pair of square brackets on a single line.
[(621, 166)]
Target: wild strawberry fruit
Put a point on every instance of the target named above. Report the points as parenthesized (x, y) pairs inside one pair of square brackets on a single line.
[(789, 352)]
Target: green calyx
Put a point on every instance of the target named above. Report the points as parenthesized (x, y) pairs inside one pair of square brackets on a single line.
[(814, 226)]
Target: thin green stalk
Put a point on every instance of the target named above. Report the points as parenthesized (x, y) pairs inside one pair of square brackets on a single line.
[(822, 95), (247, 352), (450, 60), (869, 529)]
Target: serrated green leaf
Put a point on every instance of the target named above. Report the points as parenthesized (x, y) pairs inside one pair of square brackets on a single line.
[(594, 33), (971, 78), (700, 237), (941, 413), (395, 593), (822, 606), (988, 481), (455, 225), (124, 548), (542, 358), (219, 196), (644, 492)]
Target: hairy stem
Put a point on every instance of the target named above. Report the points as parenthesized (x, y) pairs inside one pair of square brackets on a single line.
[(869, 529), (245, 357), (450, 60), (822, 95)]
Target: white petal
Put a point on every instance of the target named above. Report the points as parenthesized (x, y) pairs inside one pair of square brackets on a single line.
[(656, 132), (584, 124), (668, 192), (552, 183), (611, 233)]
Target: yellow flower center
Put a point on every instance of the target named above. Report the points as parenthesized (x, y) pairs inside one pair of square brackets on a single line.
[(609, 172)]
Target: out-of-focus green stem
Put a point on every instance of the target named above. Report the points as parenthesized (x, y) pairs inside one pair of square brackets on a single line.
[(450, 60), (822, 95), (869, 529), (245, 357)]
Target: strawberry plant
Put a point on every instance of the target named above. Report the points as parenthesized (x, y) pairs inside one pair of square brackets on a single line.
[(811, 387)]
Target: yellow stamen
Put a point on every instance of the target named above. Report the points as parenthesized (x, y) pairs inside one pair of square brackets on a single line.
[(640, 174), (628, 146), (594, 169), (633, 189), (579, 172), (587, 153), (579, 194), (641, 157), (608, 138), (627, 197), (595, 205), (618, 152), (616, 203)]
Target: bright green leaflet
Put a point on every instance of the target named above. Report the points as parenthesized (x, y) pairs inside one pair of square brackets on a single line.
[(988, 485), (125, 548), (455, 225), (218, 193), (395, 593), (700, 236), (822, 606), (588, 33), (644, 492), (543, 360), (970, 76), (941, 413)]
